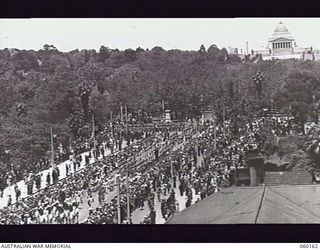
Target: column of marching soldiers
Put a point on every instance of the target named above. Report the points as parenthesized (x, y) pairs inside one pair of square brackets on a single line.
[(195, 160)]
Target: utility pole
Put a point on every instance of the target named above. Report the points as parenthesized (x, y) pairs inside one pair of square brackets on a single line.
[(93, 133), (126, 116), (52, 148), (202, 114), (197, 149), (121, 121), (215, 132), (118, 198), (163, 109), (247, 47), (171, 169), (224, 117), (128, 194), (202, 118), (111, 127), (121, 113), (120, 138)]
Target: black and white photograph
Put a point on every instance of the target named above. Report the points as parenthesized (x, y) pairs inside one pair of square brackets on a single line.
[(159, 121)]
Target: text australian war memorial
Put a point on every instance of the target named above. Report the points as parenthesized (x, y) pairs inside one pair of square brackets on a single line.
[(155, 136)]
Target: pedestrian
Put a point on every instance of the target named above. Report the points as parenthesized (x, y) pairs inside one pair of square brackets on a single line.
[(156, 153), (152, 216), (48, 179), (17, 191), (90, 200), (53, 176), (159, 194), (164, 189), (203, 194), (181, 189), (164, 208), (38, 181), (9, 201), (177, 206), (75, 166), (87, 160), (188, 203)]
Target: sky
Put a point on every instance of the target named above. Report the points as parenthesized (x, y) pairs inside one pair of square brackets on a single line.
[(169, 33)]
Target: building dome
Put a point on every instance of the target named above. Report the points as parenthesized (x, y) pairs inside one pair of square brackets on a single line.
[(281, 28), (281, 31)]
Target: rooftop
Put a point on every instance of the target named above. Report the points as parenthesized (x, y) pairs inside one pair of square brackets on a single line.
[(254, 205), (287, 177)]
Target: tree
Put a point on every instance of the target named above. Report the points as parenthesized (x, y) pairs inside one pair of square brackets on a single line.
[(61, 89), (214, 53), (297, 93), (139, 50), (202, 49), (104, 53), (48, 47), (258, 81), (300, 111), (130, 55)]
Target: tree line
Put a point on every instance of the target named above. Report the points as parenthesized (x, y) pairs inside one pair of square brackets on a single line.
[(50, 88)]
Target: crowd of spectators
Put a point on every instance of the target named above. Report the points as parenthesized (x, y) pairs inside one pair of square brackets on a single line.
[(199, 161), (59, 201)]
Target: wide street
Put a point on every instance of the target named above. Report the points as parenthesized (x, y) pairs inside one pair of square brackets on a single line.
[(137, 215)]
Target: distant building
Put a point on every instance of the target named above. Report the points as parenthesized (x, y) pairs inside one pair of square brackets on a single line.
[(233, 51), (282, 45)]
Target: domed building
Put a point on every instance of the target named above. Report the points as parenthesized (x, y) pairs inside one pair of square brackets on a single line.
[(282, 45), (282, 42)]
